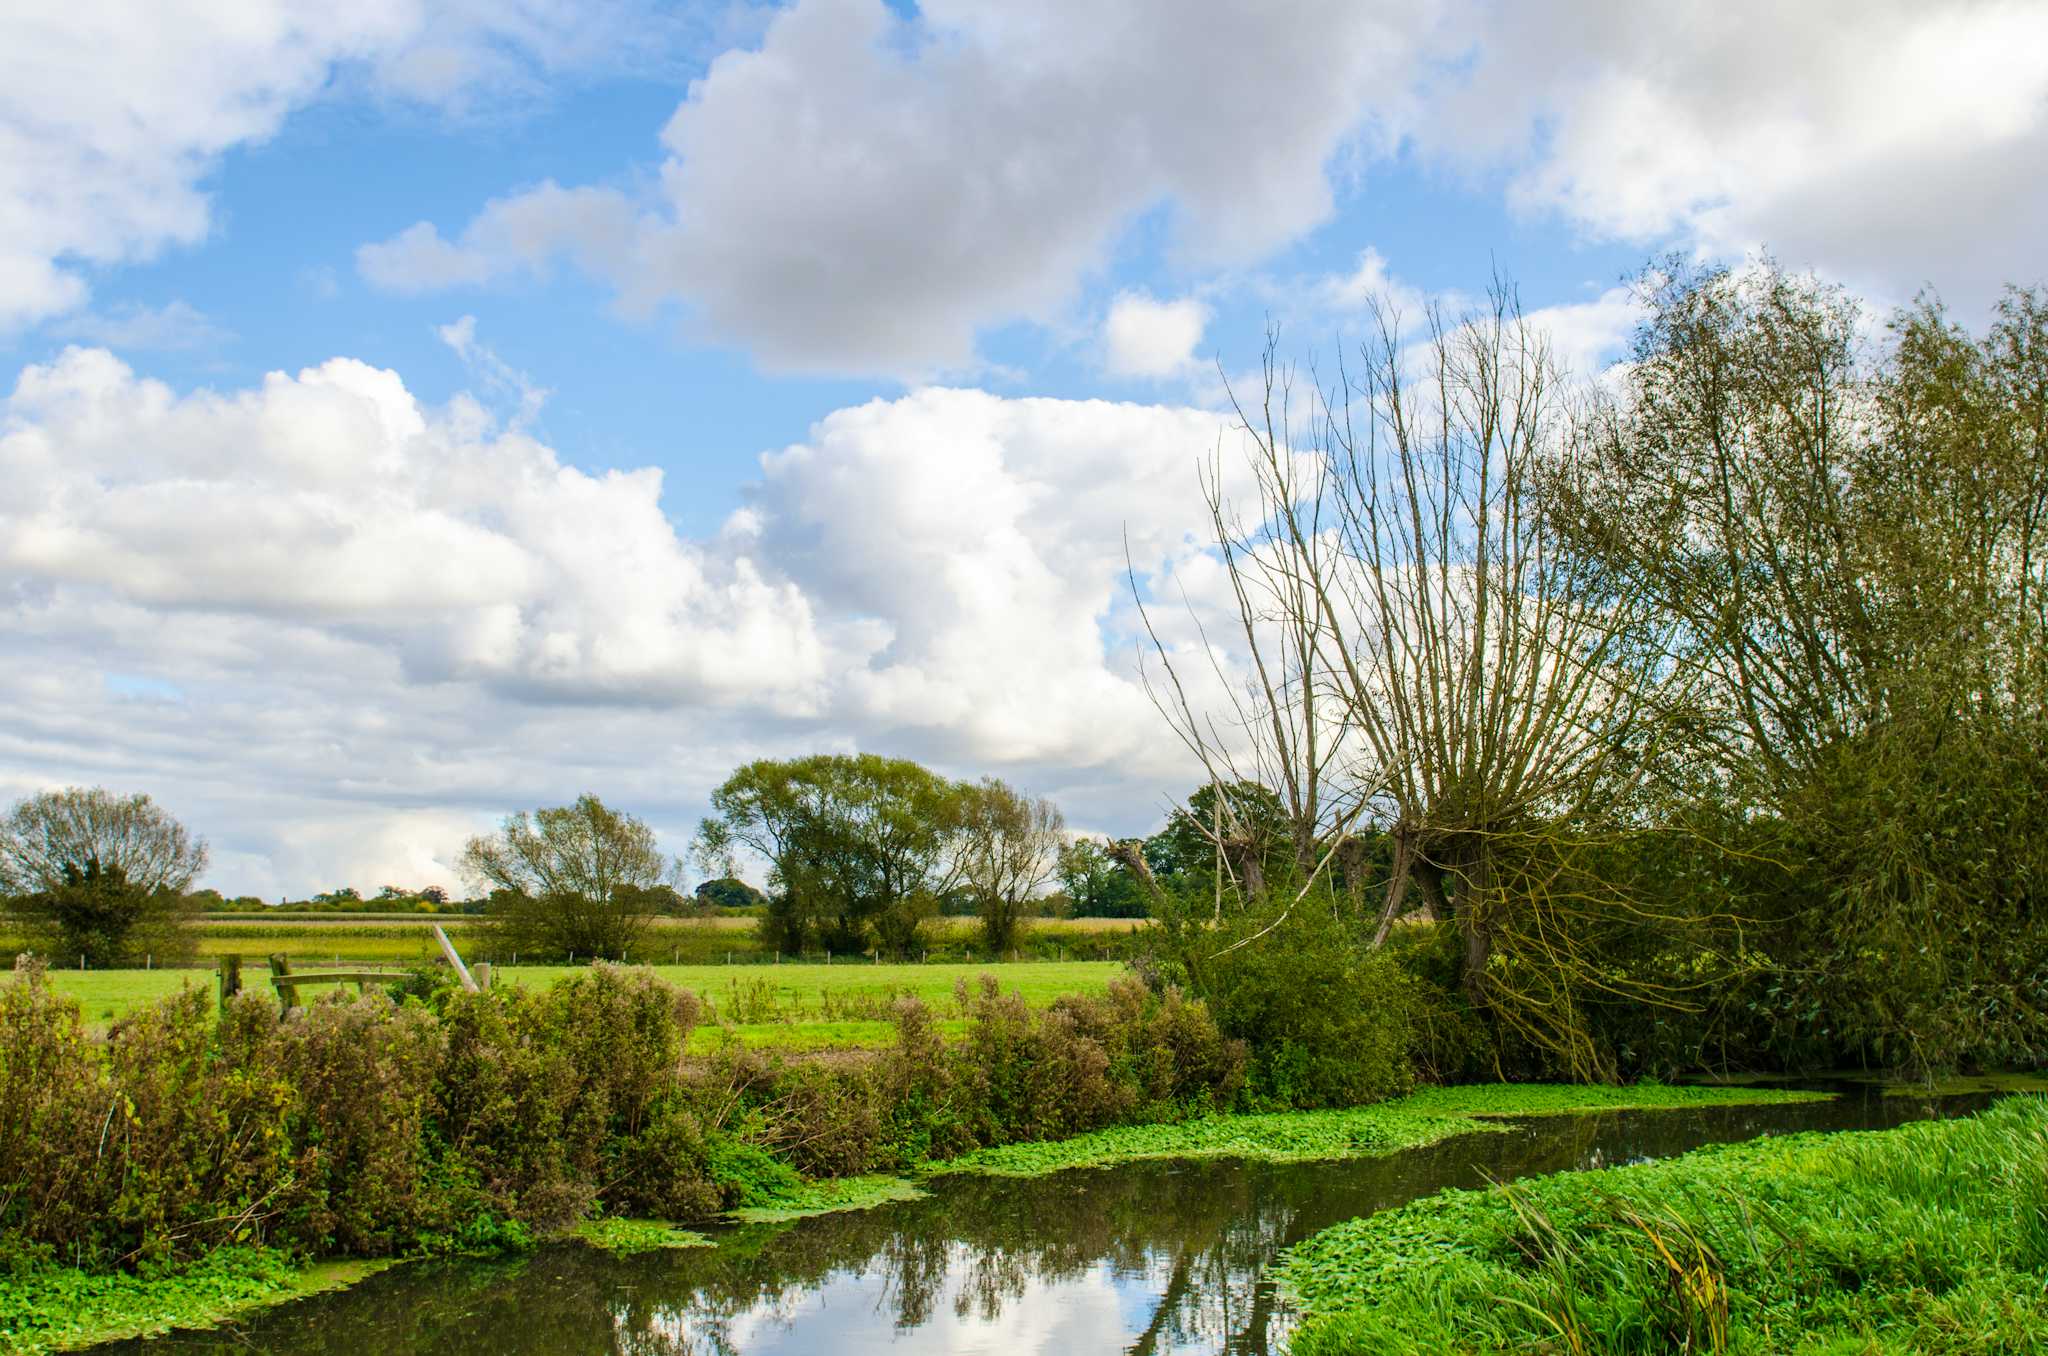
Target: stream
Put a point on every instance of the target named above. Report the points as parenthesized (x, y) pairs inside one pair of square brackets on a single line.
[(1152, 1257)]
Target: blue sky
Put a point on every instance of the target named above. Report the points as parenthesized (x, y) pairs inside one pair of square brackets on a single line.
[(344, 349)]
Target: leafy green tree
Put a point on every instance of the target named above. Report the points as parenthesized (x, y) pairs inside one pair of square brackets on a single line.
[(1009, 847), (1850, 543), (579, 879), (99, 876), (1096, 884), (730, 892), (859, 846), (1241, 824)]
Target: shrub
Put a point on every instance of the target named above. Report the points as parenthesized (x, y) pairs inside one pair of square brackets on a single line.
[(365, 1125), (1327, 1022)]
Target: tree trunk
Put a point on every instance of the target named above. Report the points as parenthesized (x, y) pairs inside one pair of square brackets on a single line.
[(1397, 888), (1131, 856)]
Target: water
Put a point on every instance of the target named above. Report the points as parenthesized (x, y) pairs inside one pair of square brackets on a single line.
[(1150, 1258)]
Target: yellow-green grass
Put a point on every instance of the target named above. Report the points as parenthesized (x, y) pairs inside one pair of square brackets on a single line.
[(402, 940), (801, 992), (1038, 981)]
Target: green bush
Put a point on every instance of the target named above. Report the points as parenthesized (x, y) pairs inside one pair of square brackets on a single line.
[(1327, 1021), (1016, 1075), (363, 1125)]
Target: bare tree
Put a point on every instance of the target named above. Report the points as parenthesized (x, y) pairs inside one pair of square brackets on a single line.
[(45, 834), (1471, 685), (1281, 728), (1009, 847), (99, 876)]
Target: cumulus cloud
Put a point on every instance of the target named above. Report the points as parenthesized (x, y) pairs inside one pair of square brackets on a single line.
[(1887, 142), (113, 115), (864, 192), (334, 497), (1147, 338), (351, 627)]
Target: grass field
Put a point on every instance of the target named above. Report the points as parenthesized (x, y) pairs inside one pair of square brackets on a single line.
[(787, 1007)]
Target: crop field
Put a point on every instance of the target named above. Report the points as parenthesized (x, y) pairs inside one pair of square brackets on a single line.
[(400, 940), (843, 1005)]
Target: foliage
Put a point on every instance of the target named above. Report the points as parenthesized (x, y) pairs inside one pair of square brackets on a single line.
[(630, 1237), (1410, 1122), (1327, 1021), (578, 879), (475, 1120), (44, 1307), (96, 915), (730, 892), (45, 834), (1852, 548), (1928, 1238), (1009, 846), (1095, 885), (858, 845)]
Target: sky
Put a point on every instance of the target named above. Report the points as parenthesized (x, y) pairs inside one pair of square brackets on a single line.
[(416, 412)]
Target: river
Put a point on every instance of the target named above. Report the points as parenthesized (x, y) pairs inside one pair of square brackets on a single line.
[(1154, 1257)]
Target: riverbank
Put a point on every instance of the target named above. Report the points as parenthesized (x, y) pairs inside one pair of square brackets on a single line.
[(1927, 1238), (48, 1309)]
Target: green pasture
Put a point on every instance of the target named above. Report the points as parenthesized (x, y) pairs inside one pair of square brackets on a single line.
[(787, 1007)]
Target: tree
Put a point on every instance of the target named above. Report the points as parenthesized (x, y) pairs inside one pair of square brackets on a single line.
[(579, 879), (729, 892), (97, 875), (1096, 884), (1482, 692), (1009, 847), (1849, 542), (1229, 838), (859, 847)]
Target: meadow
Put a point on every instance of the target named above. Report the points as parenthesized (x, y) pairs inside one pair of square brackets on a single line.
[(793, 1007)]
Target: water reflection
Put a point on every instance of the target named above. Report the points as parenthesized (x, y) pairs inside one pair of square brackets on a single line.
[(1153, 1259)]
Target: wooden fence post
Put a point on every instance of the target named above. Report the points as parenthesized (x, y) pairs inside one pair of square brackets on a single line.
[(230, 978), (280, 967)]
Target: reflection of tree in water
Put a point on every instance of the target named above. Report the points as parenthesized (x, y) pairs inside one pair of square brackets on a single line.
[(1196, 1236)]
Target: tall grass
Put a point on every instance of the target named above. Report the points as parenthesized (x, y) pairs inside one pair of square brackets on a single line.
[(1929, 1238)]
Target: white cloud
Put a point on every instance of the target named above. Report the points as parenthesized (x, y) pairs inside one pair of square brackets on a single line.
[(1148, 338), (864, 192), (337, 629), (1372, 281), (1886, 142), (334, 498), (112, 116)]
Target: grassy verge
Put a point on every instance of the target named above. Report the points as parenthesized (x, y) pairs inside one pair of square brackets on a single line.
[(47, 1308), (1388, 1127), (1929, 1238)]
